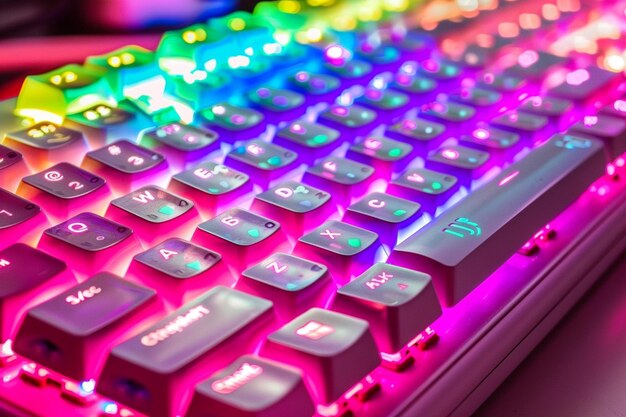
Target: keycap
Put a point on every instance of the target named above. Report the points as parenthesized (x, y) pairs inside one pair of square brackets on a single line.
[(88, 241), (466, 164), (586, 84), (20, 220), (125, 165), (234, 123), (446, 73), (419, 89), (535, 65), (383, 214), (384, 154), (422, 135), (265, 162), (310, 140), (557, 110), (430, 188), (384, 57), (316, 87), (28, 277), (299, 206), (346, 249), (503, 83), (152, 371), (351, 72), (70, 332), (486, 100), (12, 165), (47, 143), (610, 130), (385, 101), (292, 283), (496, 141), (528, 126), (352, 120), (241, 236), (333, 350), (212, 186), (342, 178), (616, 108), (455, 115), (252, 387), (65, 190), (397, 302), (154, 213), (179, 270), (461, 247), (278, 104)]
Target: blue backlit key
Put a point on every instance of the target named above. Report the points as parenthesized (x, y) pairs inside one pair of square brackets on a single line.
[(464, 163), (212, 186), (429, 188), (423, 135), (352, 120), (153, 213), (252, 387), (341, 177), (241, 236), (71, 332), (19, 219), (234, 123), (310, 140), (316, 87), (334, 351), (154, 370), (298, 206), (384, 154), (344, 248), (278, 104), (264, 161), (397, 302)]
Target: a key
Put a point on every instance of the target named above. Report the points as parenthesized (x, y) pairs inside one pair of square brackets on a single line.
[(20, 220), (351, 120), (234, 123), (469, 241), (125, 166), (179, 270), (419, 89), (278, 104), (241, 236), (152, 371), (383, 214), (557, 110), (384, 154), (351, 72), (430, 188), (65, 190), (347, 250), (585, 85), (398, 303), (385, 101), (89, 242), (293, 284), (616, 108), (212, 186), (446, 73), (423, 135), (12, 165), (310, 140), (502, 145), (334, 351), (252, 387), (534, 65), (611, 130), (502, 82), (47, 143), (70, 332), (316, 87), (28, 277), (299, 206), (265, 162), (456, 117), (384, 57), (486, 101), (528, 126), (340, 177), (466, 164), (154, 214)]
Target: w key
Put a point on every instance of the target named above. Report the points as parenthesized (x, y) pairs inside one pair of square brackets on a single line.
[(463, 246)]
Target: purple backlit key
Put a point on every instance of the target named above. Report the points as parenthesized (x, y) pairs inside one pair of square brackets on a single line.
[(557, 110), (27, 277), (241, 236), (19, 219), (501, 82), (430, 188), (387, 102), (316, 87), (154, 213), (501, 144), (534, 65), (71, 332), (341, 177), (252, 387), (264, 161), (350, 120), (528, 126), (454, 114), (299, 206), (611, 130), (384, 154), (397, 302), (446, 73), (487, 101), (333, 350), (12, 166), (420, 90), (346, 249), (586, 84), (352, 71), (278, 104), (423, 135), (464, 163), (212, 186), (154, 370), (310, 140), (234, 123)]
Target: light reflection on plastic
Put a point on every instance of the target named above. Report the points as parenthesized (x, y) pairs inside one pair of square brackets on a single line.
[(508, 178)]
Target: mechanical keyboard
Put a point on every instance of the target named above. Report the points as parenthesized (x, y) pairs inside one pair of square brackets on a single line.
[(321, 208)]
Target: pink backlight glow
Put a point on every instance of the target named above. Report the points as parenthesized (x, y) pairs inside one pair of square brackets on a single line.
[(314, 330), (528, 58), (450, 154), (246, 373), (373, 144), (590, 121), (481, 134), (620, 105), (508, 178), (577, 77)]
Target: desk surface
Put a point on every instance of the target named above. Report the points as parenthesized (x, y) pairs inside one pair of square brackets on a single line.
[(579, 370)]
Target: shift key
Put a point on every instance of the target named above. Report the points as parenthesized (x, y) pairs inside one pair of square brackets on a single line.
[(153, 371), (70, 332), (464, 245)]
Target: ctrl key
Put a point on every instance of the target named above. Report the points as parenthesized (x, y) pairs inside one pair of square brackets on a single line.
[(252, 387)]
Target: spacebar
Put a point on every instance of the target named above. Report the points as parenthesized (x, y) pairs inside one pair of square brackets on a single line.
[(472, 239)]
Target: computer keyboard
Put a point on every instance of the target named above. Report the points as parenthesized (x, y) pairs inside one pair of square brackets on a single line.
[(317, 209)]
